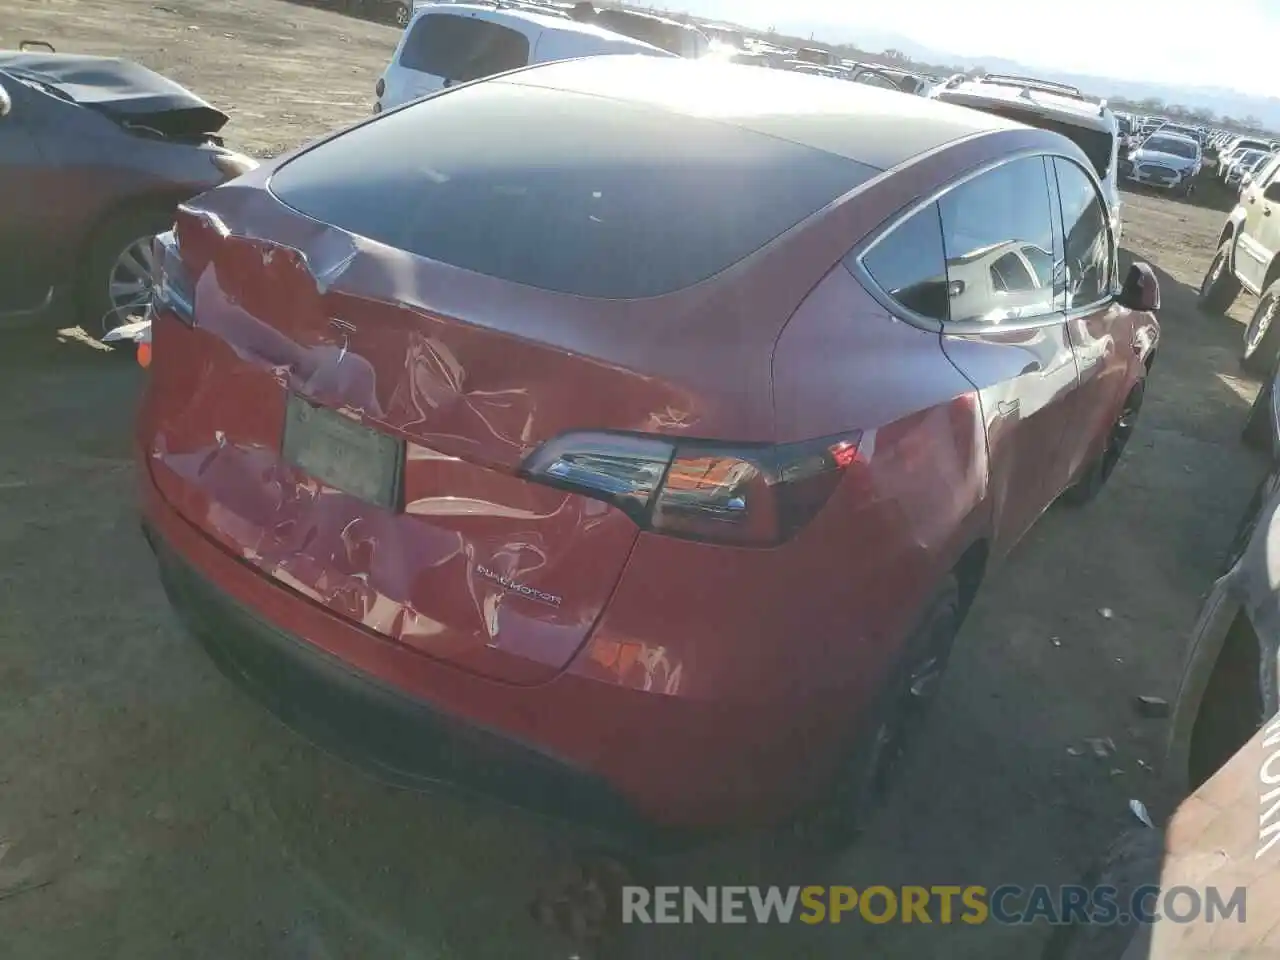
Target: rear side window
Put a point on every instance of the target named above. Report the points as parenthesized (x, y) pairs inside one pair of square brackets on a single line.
[(997, 232), (908, 264), (563, 191), (460, 49)]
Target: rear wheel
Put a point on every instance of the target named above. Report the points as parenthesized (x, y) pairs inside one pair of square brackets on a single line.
[(115, 285), (1220, 287), (1099, 472), (868, 773), (1262, 336)]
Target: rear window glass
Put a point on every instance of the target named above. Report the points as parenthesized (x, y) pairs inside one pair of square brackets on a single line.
[(567, 192), (462, 48), (1171, 145)]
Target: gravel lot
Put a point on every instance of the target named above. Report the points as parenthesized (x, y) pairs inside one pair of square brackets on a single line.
[(148, 810)]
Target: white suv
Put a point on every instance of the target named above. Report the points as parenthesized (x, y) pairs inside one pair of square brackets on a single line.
[(1049, 106), (448, 43)]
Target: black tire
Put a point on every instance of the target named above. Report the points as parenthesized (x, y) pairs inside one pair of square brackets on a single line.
[(1258, 430), (110, 239), (1219, 288), (1262, 335), (1095, 477), (1132, 861), (1242, 536), (867, 774)]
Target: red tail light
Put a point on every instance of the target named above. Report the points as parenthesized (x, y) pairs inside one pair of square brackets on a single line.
[(752, 495)]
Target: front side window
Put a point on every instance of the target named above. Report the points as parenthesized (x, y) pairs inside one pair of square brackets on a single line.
[(1268, 172), (461, 49), (1088, 241), (997, 233), (908, 264)]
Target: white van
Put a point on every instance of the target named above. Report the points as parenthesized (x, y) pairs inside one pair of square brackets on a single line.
[(448, 43), (1050, 106)]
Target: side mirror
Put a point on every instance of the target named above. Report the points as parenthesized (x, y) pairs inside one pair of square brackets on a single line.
[(1272, 192), (1141, 290), (6, 104)]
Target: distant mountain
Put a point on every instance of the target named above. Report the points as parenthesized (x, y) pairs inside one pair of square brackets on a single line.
[(1222, 101)]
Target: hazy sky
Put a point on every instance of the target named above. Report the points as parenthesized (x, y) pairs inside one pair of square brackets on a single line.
[(1228, 43)]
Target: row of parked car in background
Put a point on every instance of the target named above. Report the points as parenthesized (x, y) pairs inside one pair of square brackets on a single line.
[(1175, 156), (61, 102), (445, 44), (453, 43)]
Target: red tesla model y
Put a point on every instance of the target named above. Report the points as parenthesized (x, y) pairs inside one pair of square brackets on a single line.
[(626, 438)]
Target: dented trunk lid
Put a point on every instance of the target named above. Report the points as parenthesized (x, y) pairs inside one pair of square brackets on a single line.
[(463, 376)]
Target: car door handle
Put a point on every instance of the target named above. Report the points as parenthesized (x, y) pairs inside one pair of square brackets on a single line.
[(1008, 408)]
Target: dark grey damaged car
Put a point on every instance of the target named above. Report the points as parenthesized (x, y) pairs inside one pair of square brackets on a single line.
[(95, 153)]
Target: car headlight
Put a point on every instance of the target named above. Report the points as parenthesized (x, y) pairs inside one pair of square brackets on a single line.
[(233, 164)]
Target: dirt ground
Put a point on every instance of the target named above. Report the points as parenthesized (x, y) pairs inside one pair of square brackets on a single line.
[(147, 810)]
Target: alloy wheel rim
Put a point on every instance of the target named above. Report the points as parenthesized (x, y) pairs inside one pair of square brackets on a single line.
[(1260, 324), (129, 283), (402, 15)]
